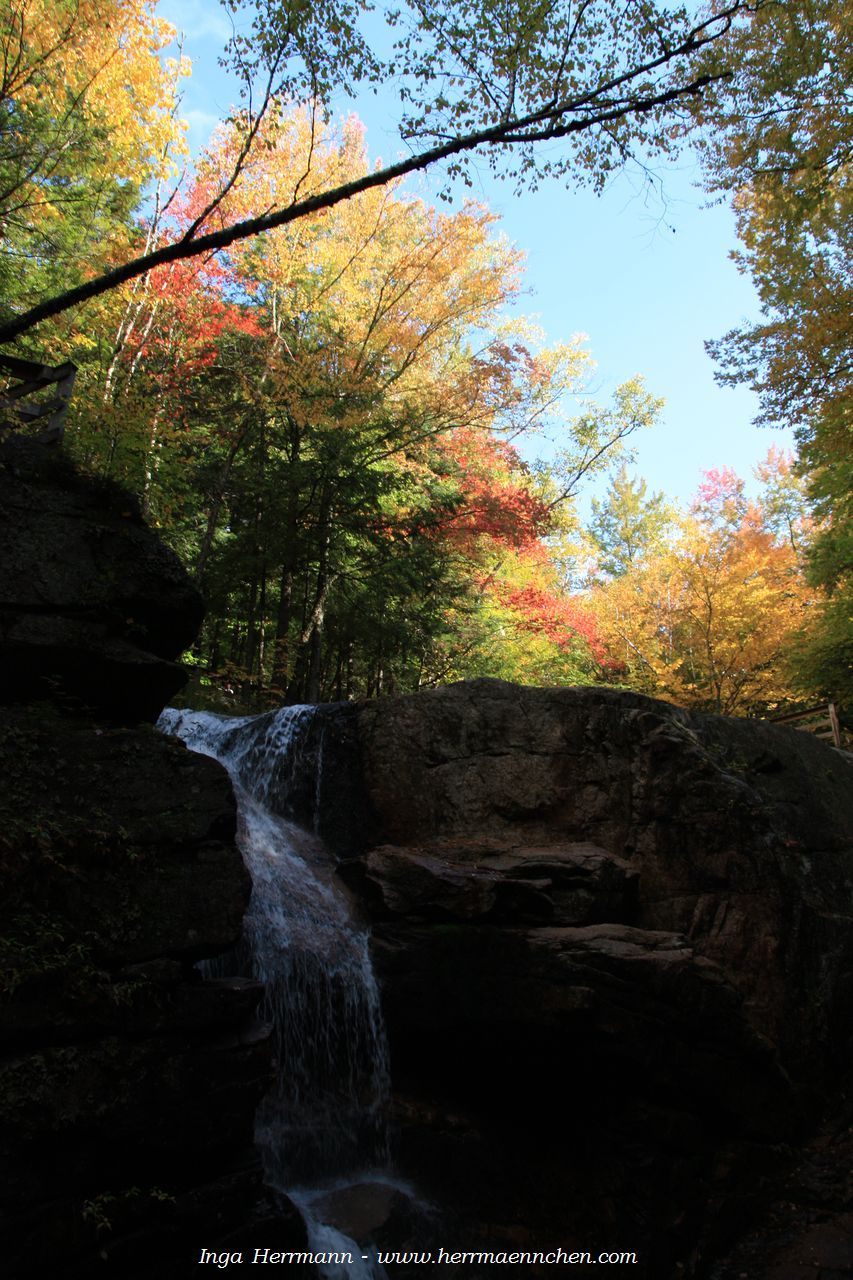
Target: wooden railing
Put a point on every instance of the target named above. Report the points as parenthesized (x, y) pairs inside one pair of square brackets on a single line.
[(822, 721), (28, 378)]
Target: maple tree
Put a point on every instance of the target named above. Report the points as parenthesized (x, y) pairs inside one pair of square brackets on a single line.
[(708, 619), (519, 624)]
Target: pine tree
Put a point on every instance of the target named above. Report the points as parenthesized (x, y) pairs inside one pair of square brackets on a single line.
[(627, 526)]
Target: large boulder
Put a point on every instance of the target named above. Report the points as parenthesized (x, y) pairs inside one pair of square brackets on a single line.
[(574, 807), (94, 608), (615, 944), (128, 1083)]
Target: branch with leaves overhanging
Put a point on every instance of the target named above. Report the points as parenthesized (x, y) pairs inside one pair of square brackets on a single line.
[(628, 96)]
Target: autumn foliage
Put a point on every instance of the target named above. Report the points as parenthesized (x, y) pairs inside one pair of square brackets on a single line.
[(708, 619), (326, 423), (335, 421)]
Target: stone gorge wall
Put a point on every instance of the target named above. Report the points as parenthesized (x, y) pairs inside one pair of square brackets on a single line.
[(94, 608), (614, 939), (614, 943), (599, 807)]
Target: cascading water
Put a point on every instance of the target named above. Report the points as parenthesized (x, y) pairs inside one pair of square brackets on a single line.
[(325, 1117)]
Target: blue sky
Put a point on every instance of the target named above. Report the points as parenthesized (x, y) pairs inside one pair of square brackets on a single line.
[(647, 276)]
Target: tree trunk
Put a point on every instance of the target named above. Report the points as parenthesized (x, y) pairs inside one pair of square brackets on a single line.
[(216, 506), (282, 660)]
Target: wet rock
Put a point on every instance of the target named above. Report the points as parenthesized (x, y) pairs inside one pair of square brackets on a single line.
[(358, 1209)]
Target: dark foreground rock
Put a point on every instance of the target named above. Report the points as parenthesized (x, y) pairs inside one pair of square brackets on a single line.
[(805, 1229), (128, 1085), (615, 943), (94, 608)]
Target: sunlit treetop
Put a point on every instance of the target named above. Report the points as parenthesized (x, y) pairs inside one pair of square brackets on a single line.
[(600, 83), (95, 64), (779, 137), (89, 114)]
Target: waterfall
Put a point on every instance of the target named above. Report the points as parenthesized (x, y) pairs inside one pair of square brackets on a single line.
[(325, 1116)]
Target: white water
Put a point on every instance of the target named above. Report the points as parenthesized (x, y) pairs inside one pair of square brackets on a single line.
[(325, 1117)]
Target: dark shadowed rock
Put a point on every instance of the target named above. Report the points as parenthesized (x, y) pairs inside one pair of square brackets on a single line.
[(574, 883), (581, 806), (127, 1082), (94, 608), (615, 942)]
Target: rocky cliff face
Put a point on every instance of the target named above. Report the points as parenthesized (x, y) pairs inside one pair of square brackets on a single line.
[(127, 1084), (580, 808), (615, 946)]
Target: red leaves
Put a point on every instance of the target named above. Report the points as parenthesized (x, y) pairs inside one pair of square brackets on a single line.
[(557, 617), (497, 500), (188, 315), (720, 498)]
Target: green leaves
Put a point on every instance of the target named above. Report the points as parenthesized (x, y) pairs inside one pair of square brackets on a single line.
[(628, 526), (582, 72), (303, 50), (598, 436), (87, 113), (499, 77)]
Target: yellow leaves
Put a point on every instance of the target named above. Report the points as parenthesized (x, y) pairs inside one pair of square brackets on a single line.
[(94, 65), (379, 294), (782, 145), (90, 117), (708, 621)]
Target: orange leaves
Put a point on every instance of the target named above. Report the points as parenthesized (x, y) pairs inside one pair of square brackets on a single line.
[(190, 321), (497, 501), (375, 385), (394, 282), (708, 619), (526, 628)]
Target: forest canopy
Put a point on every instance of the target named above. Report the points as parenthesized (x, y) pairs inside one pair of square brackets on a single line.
[(317, 386), (488, 78)]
